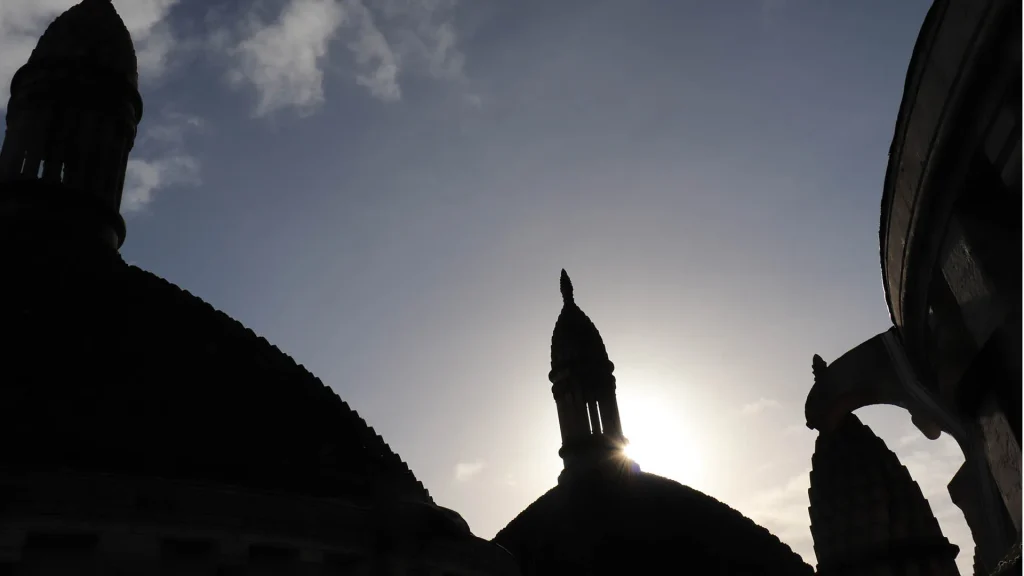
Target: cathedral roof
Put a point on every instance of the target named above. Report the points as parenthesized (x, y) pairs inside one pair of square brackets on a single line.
[(642, 523), (89, 34), (110, 368), (575, 341)]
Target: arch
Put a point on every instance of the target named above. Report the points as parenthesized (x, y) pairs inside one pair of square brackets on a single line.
[(876, 372)]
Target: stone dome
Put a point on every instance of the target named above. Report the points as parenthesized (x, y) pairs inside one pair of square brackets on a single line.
[(154, 382), (633, 522), (865, 506)]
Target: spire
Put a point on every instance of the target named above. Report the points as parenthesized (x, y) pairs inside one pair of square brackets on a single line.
[(92, 34), (565, 284), (868, 516), (576, 341), (71, 123), (583, 387)]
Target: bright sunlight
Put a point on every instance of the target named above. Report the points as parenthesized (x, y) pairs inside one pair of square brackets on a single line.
[(657, 442)]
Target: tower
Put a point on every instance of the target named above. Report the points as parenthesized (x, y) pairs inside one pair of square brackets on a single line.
[(584, 390), (868, 516), (71, 122)]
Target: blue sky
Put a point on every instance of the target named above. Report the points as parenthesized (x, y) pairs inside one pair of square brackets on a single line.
[(387, 189)]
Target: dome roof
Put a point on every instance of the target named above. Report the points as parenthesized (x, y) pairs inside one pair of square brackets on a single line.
[(864, 504), (575, 341), (640, 524), (89, 34), (111, 369)]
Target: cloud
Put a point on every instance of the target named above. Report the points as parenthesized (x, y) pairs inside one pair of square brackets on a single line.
[(796, 430), (22, 22), (162, 161), (783, 511), (909, 438), (284, 60), (423, 33), (466, 471), (932, 465), (144, 177), (373, 55), (758, 406)]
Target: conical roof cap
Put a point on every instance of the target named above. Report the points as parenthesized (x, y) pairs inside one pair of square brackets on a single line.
[(576, 341), (90, 34)]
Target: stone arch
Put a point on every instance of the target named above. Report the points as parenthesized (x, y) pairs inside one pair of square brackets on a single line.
[(875, 372)]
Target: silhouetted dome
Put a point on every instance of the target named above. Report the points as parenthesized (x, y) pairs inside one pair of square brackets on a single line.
[(575, 340), (641, 523), (89, 34), (863, 500), (111, 369)]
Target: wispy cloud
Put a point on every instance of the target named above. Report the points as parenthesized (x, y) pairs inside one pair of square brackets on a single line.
[(23, 21), (797, 430), (932, 464), (149, 23), (783, 511), (283, 60), (910, 438), (376, 61), (466, 471), (423, 34), (758, 406), (162, 161)]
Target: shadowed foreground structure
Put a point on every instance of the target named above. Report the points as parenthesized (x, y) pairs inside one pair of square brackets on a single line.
[(143, 431), (950, 250), (605, 516), (889, 528)]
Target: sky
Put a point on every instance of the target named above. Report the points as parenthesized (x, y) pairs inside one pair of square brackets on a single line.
[(388, 189)]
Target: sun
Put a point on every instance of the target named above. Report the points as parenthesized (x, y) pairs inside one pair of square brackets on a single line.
[(657, 441)]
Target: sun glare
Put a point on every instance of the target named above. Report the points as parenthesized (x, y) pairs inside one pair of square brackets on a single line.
[(657, 443)]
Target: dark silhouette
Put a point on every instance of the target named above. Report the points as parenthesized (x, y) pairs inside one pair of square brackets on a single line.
[(141, 429), (605, 516), (950, 248), (889, 527)]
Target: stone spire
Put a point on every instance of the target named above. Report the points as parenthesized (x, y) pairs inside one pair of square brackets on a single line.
[(868, 516), (71, 122), (583, 387)]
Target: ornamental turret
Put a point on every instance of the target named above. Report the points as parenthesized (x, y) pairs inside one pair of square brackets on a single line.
[(71, 122), (584, 390), (868, 516)]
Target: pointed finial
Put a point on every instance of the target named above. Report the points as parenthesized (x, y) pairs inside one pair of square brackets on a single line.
[(566, 286), (818, 366)]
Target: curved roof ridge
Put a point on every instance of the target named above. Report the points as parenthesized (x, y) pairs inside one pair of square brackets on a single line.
[(537, 508), (313, 386)]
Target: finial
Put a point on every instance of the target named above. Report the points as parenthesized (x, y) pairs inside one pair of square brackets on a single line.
[(566, 286), (818, 367)]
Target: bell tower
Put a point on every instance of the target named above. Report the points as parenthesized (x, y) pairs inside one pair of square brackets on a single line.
[(71, 122), (584, 390)]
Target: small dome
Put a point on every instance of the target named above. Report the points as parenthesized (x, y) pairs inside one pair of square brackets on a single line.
[(862, 498), (89, 34), (640, 523), (575, 340)]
